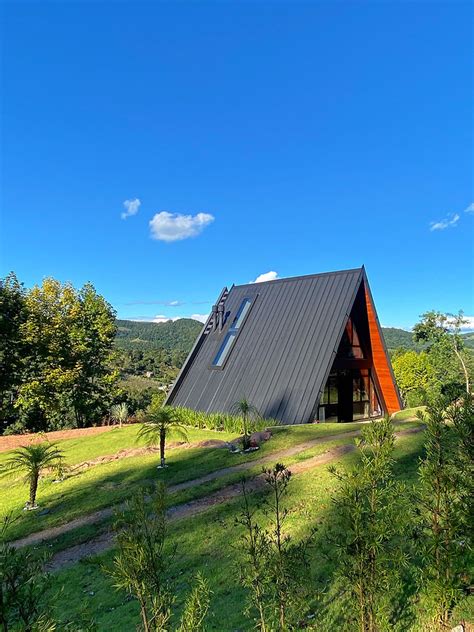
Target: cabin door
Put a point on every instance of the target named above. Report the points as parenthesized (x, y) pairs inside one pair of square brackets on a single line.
[(344, 413)]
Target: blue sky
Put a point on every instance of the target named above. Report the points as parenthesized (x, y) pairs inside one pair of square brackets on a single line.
[(247, 138)]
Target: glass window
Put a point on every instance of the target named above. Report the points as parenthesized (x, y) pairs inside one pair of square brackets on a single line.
[(243, 309), (231, 335), (224, 349)]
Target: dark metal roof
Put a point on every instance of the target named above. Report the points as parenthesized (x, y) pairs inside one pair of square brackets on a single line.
[(283, 352)]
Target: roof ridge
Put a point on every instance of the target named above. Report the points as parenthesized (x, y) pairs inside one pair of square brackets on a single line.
[(300, 277)]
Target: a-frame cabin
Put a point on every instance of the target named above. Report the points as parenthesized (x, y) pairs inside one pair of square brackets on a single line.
[(299, 349)]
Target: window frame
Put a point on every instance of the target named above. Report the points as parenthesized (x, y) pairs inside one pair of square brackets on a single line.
[(232, 330)]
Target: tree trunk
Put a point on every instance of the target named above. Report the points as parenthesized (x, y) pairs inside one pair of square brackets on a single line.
[(162, 447), (33, 488), (464, 368)]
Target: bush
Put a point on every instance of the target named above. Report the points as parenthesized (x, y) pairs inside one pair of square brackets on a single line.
[(220, 421)]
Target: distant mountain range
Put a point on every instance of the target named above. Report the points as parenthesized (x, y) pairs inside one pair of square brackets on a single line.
[(181, 334)]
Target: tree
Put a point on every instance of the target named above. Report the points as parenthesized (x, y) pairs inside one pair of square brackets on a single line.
[(415, 376), (244, 409), (371, 519), (142, 565), (23, 585), (119, 413), (442, 332), (274, 569), (33, 460), (69, 333), (445, 495), (158, 422), (12, 346)]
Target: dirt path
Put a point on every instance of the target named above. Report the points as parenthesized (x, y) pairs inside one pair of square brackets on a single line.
[(104, 541), (102, 514), (75, 553)]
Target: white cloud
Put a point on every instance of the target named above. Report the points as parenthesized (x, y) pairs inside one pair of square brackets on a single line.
[(131, 208), (448, 222), (470, 208), (174, 226), (201, 317), (266, 276)]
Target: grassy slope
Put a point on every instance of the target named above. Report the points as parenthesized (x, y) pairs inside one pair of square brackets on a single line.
[(114, 481), (210, 543)]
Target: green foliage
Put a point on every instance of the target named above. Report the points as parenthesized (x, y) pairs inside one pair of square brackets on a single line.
[(415, 376), (444, 511), (442, 333), (58, 341), (246, 411), (173, 339), (119, 413), (23, 584), (222, 421), (142, 565), (158, 422), (196, 607), (372, 516), (32, 460), (12, 346), (274, 569)]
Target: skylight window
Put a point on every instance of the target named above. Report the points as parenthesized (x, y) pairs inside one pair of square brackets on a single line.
[(231, 335)]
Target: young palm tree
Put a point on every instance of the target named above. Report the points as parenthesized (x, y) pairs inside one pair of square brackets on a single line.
[(158, 421), (33, 459), (243, 408), (119, 413)]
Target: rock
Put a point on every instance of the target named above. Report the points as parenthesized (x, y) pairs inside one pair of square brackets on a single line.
[(256, 438)]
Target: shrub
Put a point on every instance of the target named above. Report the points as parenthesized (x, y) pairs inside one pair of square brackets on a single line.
[(220, 421)]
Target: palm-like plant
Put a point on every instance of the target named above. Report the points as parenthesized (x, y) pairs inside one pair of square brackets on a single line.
[(119, 413), (244, 409), (33, 459), (158, 421)]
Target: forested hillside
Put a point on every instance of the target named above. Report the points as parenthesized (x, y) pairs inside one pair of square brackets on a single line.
[(178, 335)]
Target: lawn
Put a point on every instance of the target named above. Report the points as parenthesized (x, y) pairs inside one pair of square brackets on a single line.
[(116, 480), (210, 543)]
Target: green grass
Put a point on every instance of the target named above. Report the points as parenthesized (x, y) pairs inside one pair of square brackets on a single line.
[(115, 481), (210, 543)]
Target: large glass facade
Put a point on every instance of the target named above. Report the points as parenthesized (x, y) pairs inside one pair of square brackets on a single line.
[(350, 344), (349, 395)]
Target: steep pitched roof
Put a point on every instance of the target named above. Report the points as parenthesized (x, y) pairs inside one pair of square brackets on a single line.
[(283, 352)]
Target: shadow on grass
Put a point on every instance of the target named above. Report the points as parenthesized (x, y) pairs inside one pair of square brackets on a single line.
[(209, 542)]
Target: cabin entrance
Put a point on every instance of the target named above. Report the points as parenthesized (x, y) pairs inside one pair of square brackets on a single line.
[(349, 395)]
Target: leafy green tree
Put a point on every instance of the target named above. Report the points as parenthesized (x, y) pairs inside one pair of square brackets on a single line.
[(158, 422), (119, 413), (442, 332), (445, 495), (246, 411), (415, 376), (33, 460), (372, 518), (67, 379), (12, 345), (142, 565)]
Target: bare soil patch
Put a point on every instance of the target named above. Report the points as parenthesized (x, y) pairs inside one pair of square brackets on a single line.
[(10, 442)]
